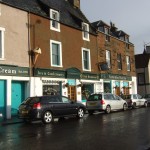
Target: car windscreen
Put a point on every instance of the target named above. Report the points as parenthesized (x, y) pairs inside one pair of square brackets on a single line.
[(31, 100), (126, 96), (95, 97)]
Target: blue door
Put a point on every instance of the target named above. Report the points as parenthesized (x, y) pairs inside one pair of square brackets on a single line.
[(18, 95), (3, 98)]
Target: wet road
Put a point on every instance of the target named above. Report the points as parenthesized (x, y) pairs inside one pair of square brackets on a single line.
[(129, 130)]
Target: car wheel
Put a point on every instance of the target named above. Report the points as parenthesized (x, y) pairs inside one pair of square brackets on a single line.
[(134, 105), (80, 113), (108, 109), (145, 104), (125, 107), (47, 117), (91, 112)]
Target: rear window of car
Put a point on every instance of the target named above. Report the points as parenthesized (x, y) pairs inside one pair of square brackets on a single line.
[(95, 97), (126, 96), (32, 100)]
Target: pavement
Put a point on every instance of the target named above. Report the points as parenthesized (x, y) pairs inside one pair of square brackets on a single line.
[(13, 120)]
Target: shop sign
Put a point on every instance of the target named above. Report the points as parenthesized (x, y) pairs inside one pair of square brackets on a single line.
[(49, 73), (88, 76), (115, 77), (73, 73), (14, 71)]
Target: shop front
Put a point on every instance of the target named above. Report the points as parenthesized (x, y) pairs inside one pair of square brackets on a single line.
[(117, 84), (14, 87)]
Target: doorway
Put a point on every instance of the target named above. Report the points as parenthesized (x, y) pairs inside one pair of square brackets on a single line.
[(72, 93)]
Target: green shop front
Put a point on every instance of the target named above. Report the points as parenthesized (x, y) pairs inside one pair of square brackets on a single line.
[(70, 82), (116, 83), (14, 87)]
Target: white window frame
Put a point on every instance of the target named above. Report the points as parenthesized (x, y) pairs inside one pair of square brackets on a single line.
[(128, 63), (85, 31), (108, 59), (107, 37), (89, 59), (52, 19), (2, 43), (60, 53)]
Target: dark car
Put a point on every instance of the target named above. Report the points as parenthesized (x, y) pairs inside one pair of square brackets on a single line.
[(46, 108), (147, 97)]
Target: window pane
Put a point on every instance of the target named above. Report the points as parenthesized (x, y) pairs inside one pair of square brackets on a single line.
[(55, 54), (119, 61), (108, 58), (85, 59)]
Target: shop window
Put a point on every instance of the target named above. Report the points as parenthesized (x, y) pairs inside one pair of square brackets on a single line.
[(87, 90), (107, 87), (52, 89)]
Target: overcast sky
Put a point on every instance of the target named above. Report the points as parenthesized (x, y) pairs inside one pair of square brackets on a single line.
[(131, 16)]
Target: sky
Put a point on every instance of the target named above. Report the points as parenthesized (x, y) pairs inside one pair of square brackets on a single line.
[(131, 16)]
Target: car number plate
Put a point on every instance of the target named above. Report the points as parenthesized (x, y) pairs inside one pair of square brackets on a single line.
[(93, 104), (24, 112)]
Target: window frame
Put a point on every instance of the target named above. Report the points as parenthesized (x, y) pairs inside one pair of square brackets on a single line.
[(2, 30), (106, 31), (85, 32), (128, 63), (56, 20), (108, 59), (119, 61), (89, 59), (60, 53)]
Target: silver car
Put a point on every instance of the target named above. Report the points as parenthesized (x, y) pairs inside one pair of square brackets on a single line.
[(135, 100), (105, 102)]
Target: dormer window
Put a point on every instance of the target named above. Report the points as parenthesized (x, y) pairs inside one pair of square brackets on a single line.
[(122, 38), (85, 31), (127, 39), (54, 20), (107, 37)]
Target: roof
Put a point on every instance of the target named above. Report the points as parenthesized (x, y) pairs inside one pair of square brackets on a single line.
[(142, 60), (69, 15)]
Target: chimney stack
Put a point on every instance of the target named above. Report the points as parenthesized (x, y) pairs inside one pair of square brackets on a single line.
[(75, 3)]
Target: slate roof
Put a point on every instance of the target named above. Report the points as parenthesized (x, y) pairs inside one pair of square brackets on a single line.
[(69, 15), (142, 60), (113, 30)]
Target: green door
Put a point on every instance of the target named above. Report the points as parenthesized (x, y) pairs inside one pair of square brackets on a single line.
[(3, 98), (17, 96)]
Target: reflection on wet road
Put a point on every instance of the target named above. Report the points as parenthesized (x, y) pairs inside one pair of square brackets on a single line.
[(129, 130)]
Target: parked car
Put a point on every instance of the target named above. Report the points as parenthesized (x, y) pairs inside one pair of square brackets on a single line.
[(135, 100), (46, 108), (105, 102), (147, 97)]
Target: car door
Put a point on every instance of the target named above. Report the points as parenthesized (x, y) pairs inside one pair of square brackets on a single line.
[(141, 100), (136, 100), (111, 101), (71, 107), (118, 102)]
